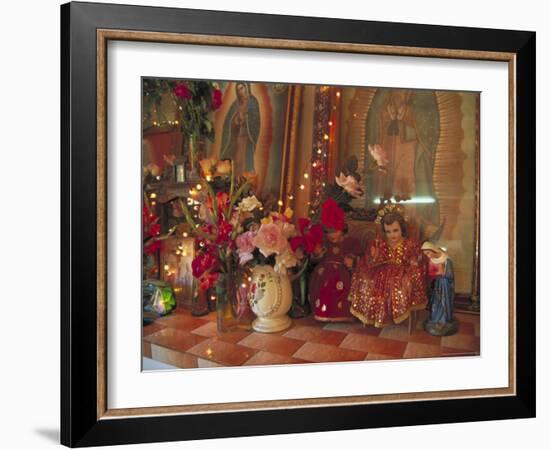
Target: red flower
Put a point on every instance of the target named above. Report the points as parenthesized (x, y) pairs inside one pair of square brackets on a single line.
[(311, 236), (202, 263), (151, 248), (224, 231), (208, 280), (332, 216), (182, 91), (155, 229), (223, 201), (216, 99)]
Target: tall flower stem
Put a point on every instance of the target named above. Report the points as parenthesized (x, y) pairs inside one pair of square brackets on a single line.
[(192, 224), (192, 151)]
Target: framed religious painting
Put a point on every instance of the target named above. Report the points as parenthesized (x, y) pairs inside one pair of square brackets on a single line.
[(258, 207)]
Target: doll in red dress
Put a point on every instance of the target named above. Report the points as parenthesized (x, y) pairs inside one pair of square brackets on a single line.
[(389, 282), (330, 280)]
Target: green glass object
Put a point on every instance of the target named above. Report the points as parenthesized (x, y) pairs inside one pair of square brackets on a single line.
[(158, 298)]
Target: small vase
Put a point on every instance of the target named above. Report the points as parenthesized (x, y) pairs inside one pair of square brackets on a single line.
[(199, 304), (270, 298), (226, 293)]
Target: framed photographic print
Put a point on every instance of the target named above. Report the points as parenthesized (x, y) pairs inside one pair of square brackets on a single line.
[(278, 224)]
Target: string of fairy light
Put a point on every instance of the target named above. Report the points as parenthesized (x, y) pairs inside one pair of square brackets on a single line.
[(161, 123), (324, 123)]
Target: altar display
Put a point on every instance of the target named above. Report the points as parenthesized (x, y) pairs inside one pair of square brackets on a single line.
[(295, 223)]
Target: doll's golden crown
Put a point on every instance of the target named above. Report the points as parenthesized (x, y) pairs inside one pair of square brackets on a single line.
[(392, 208)]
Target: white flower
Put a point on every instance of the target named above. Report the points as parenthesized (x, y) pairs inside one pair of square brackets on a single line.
[(379, 155), (285, 260), (288, 229), (244, 258), (249, 204), (349, 184)]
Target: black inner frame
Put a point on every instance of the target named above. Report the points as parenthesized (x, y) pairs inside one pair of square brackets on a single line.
[(79, 424)]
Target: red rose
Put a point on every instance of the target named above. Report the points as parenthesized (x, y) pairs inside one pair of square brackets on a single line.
[(332, 216), (311, 236), (182, 91), (216, 99), (296, 242)]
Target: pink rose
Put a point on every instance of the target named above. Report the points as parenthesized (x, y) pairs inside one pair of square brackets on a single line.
[(245, 247), (270, 239), (245, 242)]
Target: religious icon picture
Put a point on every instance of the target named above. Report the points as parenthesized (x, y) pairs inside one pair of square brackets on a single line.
[(304, 224)]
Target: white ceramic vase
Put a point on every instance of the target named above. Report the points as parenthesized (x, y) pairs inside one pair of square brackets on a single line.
[(270, 297)]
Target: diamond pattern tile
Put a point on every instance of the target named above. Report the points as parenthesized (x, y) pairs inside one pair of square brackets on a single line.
[(185, 341)]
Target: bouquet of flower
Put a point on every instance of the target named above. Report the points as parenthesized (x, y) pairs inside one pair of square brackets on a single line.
[(234, 229), (193, 100)]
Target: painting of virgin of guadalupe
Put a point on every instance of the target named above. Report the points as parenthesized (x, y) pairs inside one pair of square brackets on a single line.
[(241, 130), (403, 128), (250, 130), (420, 147)]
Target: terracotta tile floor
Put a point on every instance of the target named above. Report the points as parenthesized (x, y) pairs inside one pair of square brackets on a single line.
[(184, 341)]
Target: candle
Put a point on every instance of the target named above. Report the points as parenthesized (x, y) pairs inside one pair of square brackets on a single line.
[(180, 173)]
